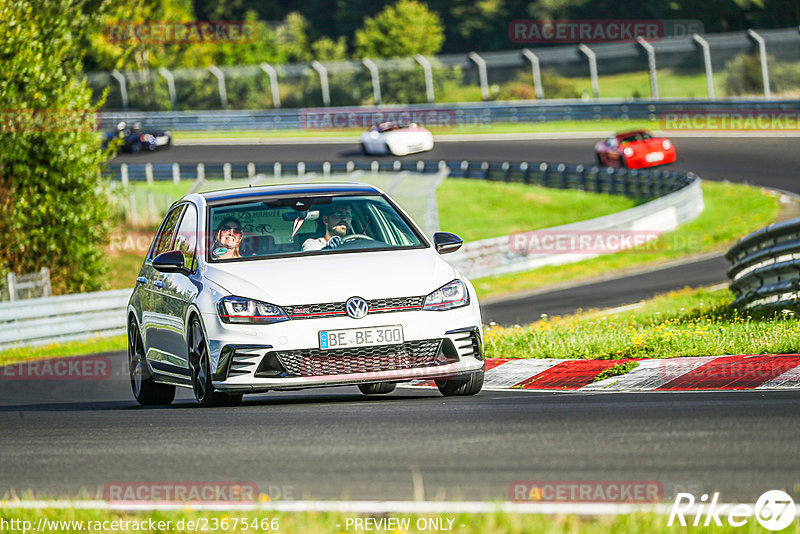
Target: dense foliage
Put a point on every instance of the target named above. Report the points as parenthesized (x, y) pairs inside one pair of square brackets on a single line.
[(53, 207)]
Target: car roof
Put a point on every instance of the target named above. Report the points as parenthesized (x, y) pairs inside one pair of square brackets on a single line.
[(290, 190), (632, 132)]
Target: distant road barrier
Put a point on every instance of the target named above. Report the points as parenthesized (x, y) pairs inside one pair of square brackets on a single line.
[(455, 114), (765, 266)]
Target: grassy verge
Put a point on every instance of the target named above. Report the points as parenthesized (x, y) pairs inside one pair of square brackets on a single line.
[(68, 348), (476, 209), (322, 522), (681, 323), (706, 233)]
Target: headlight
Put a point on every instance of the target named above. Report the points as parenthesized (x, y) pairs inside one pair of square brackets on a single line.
[(237, 310), (628, 151), (666, 144), (447, 297)]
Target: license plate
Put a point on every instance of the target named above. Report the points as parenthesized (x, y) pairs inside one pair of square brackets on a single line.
[(361, 337), (654, 156)]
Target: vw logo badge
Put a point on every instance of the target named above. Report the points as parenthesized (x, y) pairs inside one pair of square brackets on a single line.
[(357, 307)]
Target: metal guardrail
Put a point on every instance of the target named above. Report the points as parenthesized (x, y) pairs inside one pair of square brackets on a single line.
[(46, 320), (765, 266), (629, 182), (448, 115)]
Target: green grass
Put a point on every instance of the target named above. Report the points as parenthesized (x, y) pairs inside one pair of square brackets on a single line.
[(671, 84), (715, 229), (67, 348), (617, 370), (476, 209), (327, 522), (689, 322)]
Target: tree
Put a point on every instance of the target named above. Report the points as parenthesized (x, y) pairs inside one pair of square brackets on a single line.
[(404, 29), (54, 206)]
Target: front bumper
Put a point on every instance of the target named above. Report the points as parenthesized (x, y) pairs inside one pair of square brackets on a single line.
[(244, 357)]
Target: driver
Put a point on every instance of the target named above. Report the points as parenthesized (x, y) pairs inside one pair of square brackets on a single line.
[(337, 222)]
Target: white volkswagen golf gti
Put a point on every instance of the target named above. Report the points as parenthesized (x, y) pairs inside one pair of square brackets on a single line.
[(299, 286)]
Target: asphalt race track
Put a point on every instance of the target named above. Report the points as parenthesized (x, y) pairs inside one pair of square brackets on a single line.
[(72, 438)]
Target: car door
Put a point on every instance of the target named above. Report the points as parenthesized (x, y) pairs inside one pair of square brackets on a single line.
[(155, 307), (178, 291)]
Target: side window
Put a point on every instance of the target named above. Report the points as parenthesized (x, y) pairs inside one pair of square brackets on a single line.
[(186, 238), (163, 240)]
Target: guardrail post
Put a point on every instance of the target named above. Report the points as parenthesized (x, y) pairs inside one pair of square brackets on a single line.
[(506, 171), (170, 86), (132, 215), (12, 286), (201, 171), (581, 176), (176, 173), (537, 73), (703, 44), (428, 71), (651, 65), (543, 167), (148, 173), (123, 87), (592, 57), (44, 275), (226, 172), (482, 76), (223, 93), (301, 168), (273, 83), (376, 79), (251, 170), (277, 170), (326, 168), (323, 81), (762, 52), (562, 176), (464, 169), (350, 166), (485, 169), (526, 177), (123, 173)]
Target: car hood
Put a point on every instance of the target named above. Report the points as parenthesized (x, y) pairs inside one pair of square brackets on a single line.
[(335, 277), (648, 145)]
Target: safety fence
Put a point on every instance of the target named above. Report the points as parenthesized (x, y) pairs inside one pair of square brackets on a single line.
[(25, 286), (669, 112), (525, 73), (765, 266), (677, 197)]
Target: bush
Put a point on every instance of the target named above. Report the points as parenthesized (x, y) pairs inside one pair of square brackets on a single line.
[(521, 88), (54, 205)]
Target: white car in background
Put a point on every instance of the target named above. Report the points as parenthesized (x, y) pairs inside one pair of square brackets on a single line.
[(396, 139)]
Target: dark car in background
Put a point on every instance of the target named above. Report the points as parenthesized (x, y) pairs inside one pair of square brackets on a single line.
[(137, 139)]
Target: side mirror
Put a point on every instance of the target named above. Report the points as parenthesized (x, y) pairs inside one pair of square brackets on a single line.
[(446, 242), (170, 262)]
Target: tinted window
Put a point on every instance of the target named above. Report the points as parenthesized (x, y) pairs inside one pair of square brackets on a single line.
[(305, 225), (186, 237), (163, 240)]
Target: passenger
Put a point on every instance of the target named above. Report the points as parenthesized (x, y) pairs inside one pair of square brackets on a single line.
[(227, 239), (337, 222)]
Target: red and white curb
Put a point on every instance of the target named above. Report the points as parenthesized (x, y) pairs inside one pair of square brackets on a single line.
[(743, 372)]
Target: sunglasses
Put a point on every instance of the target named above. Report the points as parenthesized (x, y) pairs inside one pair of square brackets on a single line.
[(234, 229)]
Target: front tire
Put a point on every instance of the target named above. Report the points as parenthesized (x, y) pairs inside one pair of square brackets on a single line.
[(380, 388), (200, 366), (462, 386), (147, 391)]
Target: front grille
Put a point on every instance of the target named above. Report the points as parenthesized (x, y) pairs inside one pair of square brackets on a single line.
[(316, 362), (334, 309)]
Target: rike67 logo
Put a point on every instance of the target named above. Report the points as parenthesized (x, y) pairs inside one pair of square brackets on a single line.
[(774, 510)]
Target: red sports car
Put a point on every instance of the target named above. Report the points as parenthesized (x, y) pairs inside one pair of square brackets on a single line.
[(635, 150)]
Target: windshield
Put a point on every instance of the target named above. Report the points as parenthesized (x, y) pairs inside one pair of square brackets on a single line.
[(636, 136), (306, 226)]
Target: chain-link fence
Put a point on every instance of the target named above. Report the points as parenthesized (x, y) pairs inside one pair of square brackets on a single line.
[(753, 63)]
